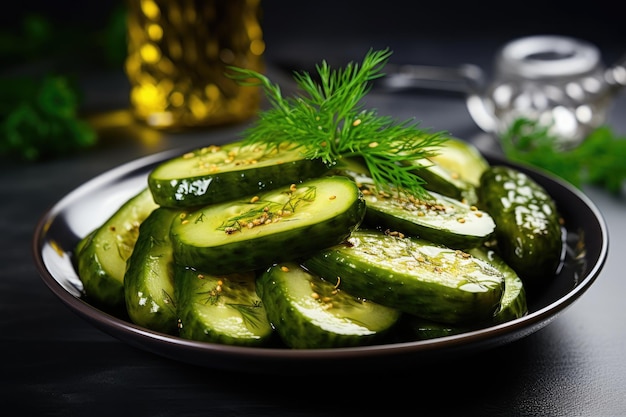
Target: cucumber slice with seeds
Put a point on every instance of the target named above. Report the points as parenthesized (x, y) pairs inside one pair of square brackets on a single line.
[(308, 312), (221, 309), (275, 226), (441, 220), (512, 304), (415, 276), (215, 174)]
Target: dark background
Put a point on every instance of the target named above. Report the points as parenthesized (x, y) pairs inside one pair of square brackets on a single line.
[(285, 20), (597, 21), (336, 30), (57, 364)]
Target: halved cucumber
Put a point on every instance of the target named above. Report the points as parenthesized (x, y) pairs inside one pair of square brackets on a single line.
[(149, 277), (454, 170), (275, 226), (101, 256), (441, 219), (461, 159), (512, 304), (308, 312), (220, 309), (214, 174), (415, 276), (444, 182)]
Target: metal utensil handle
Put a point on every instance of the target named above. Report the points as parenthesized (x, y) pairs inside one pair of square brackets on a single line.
[(464, 79)]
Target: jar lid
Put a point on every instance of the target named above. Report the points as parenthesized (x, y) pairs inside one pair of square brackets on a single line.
[(547, 56)]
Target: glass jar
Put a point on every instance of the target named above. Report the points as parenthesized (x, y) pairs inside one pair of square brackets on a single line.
[(178, 56), (555, 80)]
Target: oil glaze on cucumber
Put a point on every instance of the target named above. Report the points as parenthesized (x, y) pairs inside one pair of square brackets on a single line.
[(440, 219), (220, 308), (214, 174), (528, 229), (101, 256), (415, 276), (149, 277), (310, 313), (258, 230)]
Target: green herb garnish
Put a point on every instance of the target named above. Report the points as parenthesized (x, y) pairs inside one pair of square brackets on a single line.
[(598, 160), (39, 120), (330, 122), (39, 104)]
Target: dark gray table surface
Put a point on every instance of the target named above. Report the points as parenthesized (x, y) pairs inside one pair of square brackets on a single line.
[(55, 363)]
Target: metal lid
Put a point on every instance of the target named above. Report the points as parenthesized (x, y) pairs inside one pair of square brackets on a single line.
[(547, 56)]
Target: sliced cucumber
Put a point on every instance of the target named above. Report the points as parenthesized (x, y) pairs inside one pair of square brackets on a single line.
[(528, 228), (308, 312), (221, 309), (442, 181), (215, 174), (101, 256), (461, 159), (437, 178), (415, 276), (513, 303), (149, 277), (441, 220), (274, 226), (454, 170)]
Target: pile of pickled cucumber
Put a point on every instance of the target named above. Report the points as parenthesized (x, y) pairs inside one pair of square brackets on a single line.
[(253, 246)]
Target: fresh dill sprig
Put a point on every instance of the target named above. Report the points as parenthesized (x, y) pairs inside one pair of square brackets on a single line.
[(598, 160), (329, 121)]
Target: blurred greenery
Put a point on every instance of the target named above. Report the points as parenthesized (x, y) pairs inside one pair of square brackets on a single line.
[(598, 160), (41, 59)]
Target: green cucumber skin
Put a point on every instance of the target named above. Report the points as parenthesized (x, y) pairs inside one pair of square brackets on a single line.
[(235, 317), (100, 288), (462, 159), (411, 292), (149, 277), (440, 180), (286, 293), (534, 253), (513, 304), (385, 214), (405, 216), (101, 256), (265, 248), (212, 188)]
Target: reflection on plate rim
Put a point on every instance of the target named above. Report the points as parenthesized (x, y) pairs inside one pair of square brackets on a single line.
[(166, 345)]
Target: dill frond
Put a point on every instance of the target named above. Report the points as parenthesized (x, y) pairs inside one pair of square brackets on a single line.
[(328, 120)]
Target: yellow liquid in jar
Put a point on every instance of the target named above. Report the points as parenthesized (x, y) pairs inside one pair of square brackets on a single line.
[(178, 54)]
